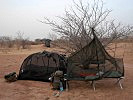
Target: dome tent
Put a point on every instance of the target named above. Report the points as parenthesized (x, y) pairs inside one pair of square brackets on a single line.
[(39, 66)]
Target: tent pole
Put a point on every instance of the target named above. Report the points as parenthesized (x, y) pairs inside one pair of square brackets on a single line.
[(93, 85), (97, 61), (48, 66), (119, 82), (43, 61)]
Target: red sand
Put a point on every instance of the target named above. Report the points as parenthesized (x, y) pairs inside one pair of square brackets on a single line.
[(106, 89)]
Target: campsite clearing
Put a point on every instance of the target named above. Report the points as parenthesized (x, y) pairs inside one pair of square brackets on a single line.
[(106, 89)]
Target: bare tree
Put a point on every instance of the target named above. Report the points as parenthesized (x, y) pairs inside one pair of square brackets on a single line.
[(52, 36), (18, 40), (76, 25), (2, 42), (6, 42), (22, 42), (37, 41)]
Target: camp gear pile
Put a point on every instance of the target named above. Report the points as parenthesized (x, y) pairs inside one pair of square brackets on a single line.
[(58, 81), (90, 63)]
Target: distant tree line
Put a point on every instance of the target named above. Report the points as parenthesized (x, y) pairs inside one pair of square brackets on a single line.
[(19, 42)]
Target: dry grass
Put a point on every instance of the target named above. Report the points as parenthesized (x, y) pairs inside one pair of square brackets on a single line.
[(33, 90)]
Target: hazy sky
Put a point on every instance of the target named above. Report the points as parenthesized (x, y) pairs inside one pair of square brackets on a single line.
[(22, 15)]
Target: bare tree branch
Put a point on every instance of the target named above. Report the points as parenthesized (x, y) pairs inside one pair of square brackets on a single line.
[(76, 24)]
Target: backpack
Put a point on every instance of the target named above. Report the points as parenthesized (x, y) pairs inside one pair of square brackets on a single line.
[(11, 77), (58, 81)]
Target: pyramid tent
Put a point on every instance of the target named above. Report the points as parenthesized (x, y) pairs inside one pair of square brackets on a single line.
[(94, 61)]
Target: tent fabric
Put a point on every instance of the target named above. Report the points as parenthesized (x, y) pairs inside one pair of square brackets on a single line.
[(39, 66), (94, 59)]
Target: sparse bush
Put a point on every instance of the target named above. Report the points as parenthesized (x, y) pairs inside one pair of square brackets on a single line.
[(6, 42), (38, 41), (22, 42)]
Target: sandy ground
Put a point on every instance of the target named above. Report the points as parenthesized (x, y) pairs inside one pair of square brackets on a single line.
[(106, 89)]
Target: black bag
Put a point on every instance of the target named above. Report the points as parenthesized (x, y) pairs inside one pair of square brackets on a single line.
[(11, 77)]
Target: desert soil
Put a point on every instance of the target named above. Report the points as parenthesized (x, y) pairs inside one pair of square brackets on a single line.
[(106, 89)]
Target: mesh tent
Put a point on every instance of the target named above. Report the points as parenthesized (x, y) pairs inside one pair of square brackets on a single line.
[(39, 66), (93, 62)]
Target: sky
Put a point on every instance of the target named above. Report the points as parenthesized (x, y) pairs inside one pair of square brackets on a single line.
[(23, 15)]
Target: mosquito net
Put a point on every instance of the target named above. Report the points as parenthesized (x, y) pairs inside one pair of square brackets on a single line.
[(93, 62)]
